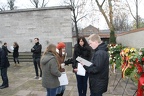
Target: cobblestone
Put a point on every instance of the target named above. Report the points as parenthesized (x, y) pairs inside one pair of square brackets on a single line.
[(22, 83)]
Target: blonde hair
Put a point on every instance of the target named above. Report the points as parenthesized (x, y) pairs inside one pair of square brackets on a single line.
[(51, 48), (95, 37)]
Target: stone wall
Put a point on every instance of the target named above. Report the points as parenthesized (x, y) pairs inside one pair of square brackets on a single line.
[(50, 25), (134, 38)]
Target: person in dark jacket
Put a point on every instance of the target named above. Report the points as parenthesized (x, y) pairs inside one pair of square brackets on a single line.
[(4, 64), (99, 70), (4, 47), (16, 53), (81, 49), (36, 50)]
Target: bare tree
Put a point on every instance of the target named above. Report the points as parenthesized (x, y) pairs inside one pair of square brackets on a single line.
[(77, 12), (39, 3), (11, 4), (121, 22), (136, 16), (140, 23), (120, 17), (108, 18), (2, 8)]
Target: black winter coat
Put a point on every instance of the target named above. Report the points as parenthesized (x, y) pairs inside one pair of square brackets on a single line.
[(99, 70), (4, 63), (5, 50), (36, 50), (15, 51), (84, 52)]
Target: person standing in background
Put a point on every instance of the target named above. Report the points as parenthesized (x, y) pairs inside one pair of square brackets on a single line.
[(81, 49), (4, 47), (61, 57), (50, 66), (36, 50), (4, 64), (16, 53)]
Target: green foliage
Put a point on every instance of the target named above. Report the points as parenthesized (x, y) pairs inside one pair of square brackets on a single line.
[(129, 71), (114, 52)]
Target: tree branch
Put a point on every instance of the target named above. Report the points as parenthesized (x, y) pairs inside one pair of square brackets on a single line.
[(43, 3), (103, 13), (81, 17), (130, 10), (32, 2), (102, 3)]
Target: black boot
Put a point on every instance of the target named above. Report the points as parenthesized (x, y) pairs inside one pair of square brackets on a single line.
[(61, 94)]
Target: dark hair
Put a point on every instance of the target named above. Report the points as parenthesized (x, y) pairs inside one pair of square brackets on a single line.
[(5, 43), (83, 39), (16, 44), (37, 38)]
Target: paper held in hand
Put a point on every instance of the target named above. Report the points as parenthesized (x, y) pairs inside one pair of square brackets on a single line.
[(83, 61), (63, 79), (81, 71)]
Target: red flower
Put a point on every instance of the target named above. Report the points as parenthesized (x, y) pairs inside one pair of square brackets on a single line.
[(139, 68), (142, 58), (136, 60)]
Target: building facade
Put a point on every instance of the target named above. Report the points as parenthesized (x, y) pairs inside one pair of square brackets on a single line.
[(49, 24)]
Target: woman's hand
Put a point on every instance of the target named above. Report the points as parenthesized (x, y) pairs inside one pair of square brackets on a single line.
[(62, 70), (81, 63), (75, 70)]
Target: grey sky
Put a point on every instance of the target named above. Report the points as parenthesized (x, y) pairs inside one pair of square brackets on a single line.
[(99, 22)]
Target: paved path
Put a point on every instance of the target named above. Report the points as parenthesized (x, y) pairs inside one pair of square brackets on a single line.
[(21, 83)]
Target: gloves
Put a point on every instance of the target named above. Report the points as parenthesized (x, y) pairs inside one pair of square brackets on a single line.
[(69, 61)]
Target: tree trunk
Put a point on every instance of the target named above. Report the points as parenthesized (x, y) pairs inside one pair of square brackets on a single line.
[(112, 39), (76, 29), (108, 21)]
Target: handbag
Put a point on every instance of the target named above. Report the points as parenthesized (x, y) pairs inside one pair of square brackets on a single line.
[(63, 79)]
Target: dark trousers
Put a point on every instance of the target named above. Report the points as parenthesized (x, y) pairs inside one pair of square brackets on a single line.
[(96, 94), (4, 77), (82, 84), (36, 62), (16, 60)]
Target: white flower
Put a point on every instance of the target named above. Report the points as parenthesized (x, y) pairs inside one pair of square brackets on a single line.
[(140, 53)]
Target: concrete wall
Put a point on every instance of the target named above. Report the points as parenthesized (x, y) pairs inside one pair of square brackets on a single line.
[(50, 25), (134, 38)]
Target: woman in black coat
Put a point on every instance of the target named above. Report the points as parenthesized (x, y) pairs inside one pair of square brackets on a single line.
[(81, 49), (16, 53)]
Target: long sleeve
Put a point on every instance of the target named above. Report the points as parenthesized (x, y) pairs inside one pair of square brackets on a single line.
[(75, 54), (37, 48), (54, 68), (3, 59), (98, 63)]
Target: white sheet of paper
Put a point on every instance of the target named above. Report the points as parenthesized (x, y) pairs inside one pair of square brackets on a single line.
[(83, 61), (63, 79), (81, 71), (11, 47)]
